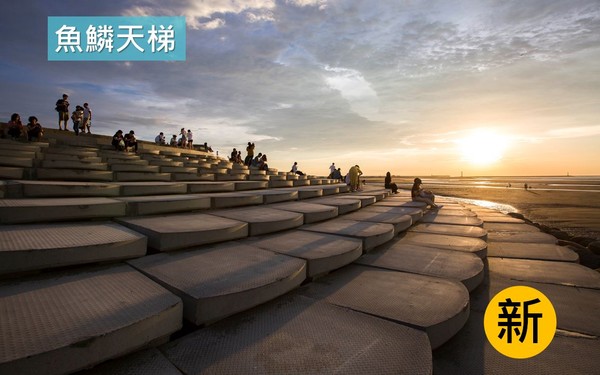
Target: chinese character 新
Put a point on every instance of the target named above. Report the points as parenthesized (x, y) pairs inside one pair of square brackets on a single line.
[(513, 320)]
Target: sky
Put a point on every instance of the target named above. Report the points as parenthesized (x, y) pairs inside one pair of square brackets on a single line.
[(417, 88)]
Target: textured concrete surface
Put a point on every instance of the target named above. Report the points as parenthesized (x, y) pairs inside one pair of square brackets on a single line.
[(400, 222), (451, 230), (372, 234), (521, 237), (344, 205), (539, 251), (433, 217), (415, 213), (162, 204), (263, 220), (456, 243), (224, 279), (150, 361), (298, 335), (312, 212)]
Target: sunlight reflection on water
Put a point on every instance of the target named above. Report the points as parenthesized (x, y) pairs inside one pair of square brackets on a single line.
[(505, 208)]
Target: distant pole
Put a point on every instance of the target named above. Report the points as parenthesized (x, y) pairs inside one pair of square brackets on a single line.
[(461, 174)]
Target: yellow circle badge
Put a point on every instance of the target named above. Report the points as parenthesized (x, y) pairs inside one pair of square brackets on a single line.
[(520, 322)]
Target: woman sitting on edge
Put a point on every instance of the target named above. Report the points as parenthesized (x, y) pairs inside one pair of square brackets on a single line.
[(389, 184), (419, 195)]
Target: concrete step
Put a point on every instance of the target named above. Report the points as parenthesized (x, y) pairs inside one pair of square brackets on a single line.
[(257, 172), (6, 144), (500, 219), (67, 157), (323, 253), (258, 177), (230, 177), (163, 204), (235, 199), (37, 247), (79, 151), (508, 227), (434, 218), (120, 157), (263, 220), (522, 237), (275, 196), (135, 168), (142, 176), (456, 243), (399, 222), (11, 173), (170, 163), (277, 178), (66, 322), (535, 251), (127, 162), (192, 177), (365, 200), (392, 202), (446, 264), (307, 192), (415, 213), (372, 234), (73, 175), (280, 184), (250, 185), (547, 272), (74, 164), (151, 188), (298, 335), (451, 230), (166, 169), (13, 161), (312, 212), (437, 306), (344, 205), (149, 361), (174, 232), (60, 189), (234, 278), (210, 187), (38, 210), (301, 183)]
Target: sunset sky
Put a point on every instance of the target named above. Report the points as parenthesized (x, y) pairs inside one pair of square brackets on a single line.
[(411, 87)]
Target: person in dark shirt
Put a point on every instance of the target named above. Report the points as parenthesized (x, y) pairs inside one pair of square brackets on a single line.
[(62, 107), (389, 184), (419, 195), (130, 140)]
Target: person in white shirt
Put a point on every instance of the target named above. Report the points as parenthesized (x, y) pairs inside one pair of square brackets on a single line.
[(295, 169), (332, 169), (87, 118), (190, 139)]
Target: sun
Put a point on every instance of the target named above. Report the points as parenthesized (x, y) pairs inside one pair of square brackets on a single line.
[(483, 146)]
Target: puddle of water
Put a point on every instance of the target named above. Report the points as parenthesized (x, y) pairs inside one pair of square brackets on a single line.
[(504, 208)]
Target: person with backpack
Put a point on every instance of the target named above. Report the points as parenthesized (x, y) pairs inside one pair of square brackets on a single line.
[(62, 107), (77, 118)]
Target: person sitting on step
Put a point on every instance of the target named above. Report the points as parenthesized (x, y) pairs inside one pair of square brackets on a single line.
[(34, 129), (130, 141), (389, 184), (418, 194)]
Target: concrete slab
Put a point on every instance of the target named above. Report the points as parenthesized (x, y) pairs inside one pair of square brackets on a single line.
[(469, 352), (464, 244), (522, 237), (162, 204), (142, 176), (73, 174), (172, 169), (400, 222), (500, 219), (323, 253), (13, 161), (275, 196), (54, 189), (210, 187), (280, 184), (173, 232), (129, 189), (454, 211), (312, 212), (372, 234), (464, 267), (390, 202), (300, 182), (450, 230), (250, 185), (561, 273), (36, 210), (11, 173), (378, 194), (365, 200), (433, 217), (298, 335), (307, 192), (437, 306), (263, 220), (415, 213), (36, 247), (222, 280), (149, 361), (236, 199), (539, 251), (507, 227), (344, 206), (192, 177), (66, 322)]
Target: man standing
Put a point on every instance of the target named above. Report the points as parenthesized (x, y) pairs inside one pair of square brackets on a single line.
[(250, 154), (331, 170), (62, 107), (87, 118)]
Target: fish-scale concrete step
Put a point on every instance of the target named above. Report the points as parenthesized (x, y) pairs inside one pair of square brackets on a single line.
[(280, 184), (56, 189), (500, 219), (297, 335), (11, 172), (142, 176), (250, 185), (451, 265), (137, 161), (13, 161), (151, 188), (451, 230), (509, 227), (522, 237), (535, 251), (235, 199), (67, 157), (454, 211), (32, 210), (464, 244), (415, 213), (73, 174), (307, 192), (393, 202), (192, 177), (323, 253), (312, 212), (365, 200), (263, 220), (210, 187), (301, 182), (437, 306), (372, 234), (275, 196), (400, 222), (233, 278), (344, 205), (174, 232), (149, 361), (163, 204), (434, 218), (79, 151), (561, 273), (126, 167), (230, 177), (258, 177), (74, 164), (71, 321), (37, 247)]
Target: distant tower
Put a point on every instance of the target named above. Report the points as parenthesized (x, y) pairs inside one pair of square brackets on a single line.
[(461, 174)]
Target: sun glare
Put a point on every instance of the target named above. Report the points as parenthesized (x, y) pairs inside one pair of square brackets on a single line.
[(483, 146)]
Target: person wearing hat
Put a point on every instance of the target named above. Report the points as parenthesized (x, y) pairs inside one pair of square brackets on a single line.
[(130, 140), (419, 195)]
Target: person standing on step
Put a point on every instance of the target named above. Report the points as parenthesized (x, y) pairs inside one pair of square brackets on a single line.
[(331, 170), (249, 154), (182, 139), (190, 139), (87, 118), (77, 118), (62, 107), (418, 194)]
